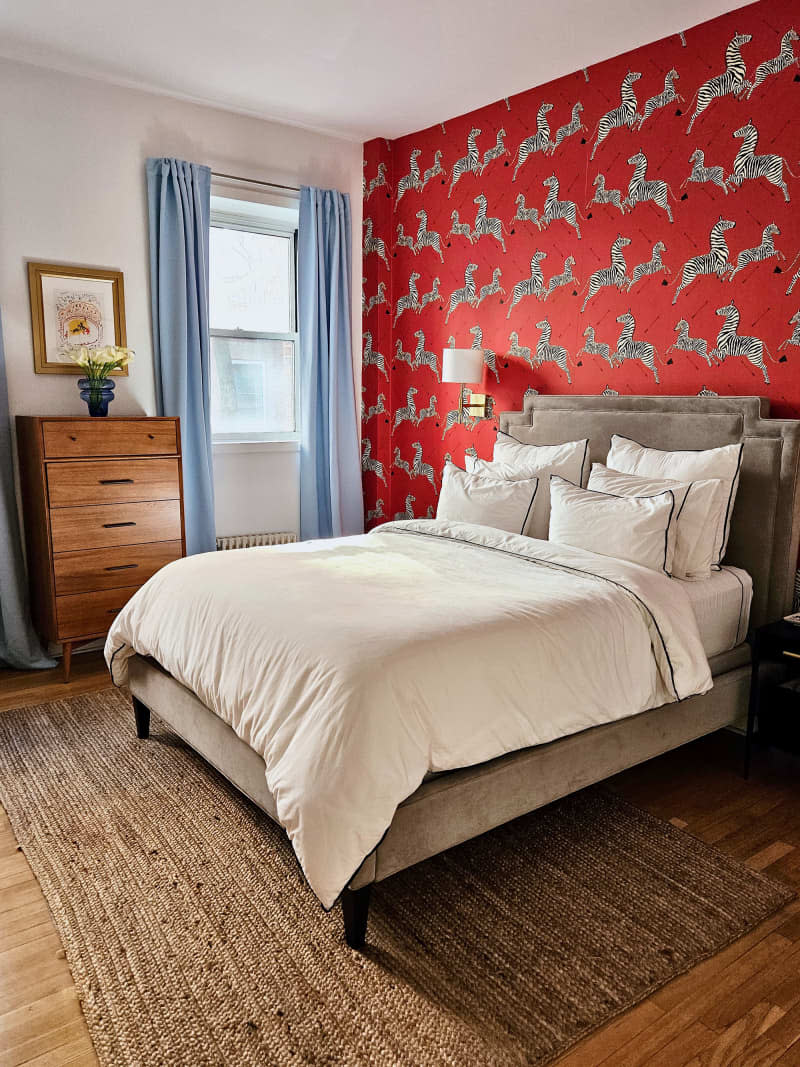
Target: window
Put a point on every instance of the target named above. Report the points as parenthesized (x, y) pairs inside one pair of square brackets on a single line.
[(253, 322)]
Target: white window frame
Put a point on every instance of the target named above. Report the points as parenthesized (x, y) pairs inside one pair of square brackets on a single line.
[(273, 228)]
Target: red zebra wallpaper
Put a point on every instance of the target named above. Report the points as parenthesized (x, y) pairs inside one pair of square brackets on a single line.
[(632, 227)]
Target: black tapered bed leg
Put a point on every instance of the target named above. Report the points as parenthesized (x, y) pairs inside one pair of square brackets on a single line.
[(142, 713), (355, 910)]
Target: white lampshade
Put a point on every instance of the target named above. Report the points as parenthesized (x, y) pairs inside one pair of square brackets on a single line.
[(462, 365)]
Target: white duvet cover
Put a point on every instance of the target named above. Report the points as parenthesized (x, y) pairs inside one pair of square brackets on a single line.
[(355, 666)]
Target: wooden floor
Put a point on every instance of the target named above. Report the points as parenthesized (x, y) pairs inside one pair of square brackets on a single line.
[(19, 689), (40, 1016), (742, 1007)]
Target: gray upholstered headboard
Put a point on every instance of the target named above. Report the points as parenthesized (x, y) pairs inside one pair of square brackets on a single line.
[(766, 520)]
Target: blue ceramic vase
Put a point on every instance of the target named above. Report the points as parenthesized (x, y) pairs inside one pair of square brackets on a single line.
[(98, 394)]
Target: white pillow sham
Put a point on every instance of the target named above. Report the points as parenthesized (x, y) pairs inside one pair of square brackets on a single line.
[(694, 518), (633, 528), (514, 460), (723, 463), (501, 503), (508, 449)]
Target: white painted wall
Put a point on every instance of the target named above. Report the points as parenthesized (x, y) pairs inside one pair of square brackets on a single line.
[(256, 490), (72, 190)]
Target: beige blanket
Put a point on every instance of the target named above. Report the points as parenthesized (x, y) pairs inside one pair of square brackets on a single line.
[(355, 666)]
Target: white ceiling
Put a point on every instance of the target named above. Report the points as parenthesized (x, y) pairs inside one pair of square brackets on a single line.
[(355, 68)]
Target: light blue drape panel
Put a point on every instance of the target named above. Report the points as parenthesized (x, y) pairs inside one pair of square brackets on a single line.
[(19, 646), (179, 201), (331, 504)]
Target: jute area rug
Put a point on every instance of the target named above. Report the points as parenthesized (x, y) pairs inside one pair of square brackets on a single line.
[(193, 939)]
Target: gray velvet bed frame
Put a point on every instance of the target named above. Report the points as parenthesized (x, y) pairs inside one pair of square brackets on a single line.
[(453, 807)]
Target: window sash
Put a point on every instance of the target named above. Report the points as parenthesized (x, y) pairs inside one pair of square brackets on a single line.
[(222, 221), (253, 335), (264, 435)]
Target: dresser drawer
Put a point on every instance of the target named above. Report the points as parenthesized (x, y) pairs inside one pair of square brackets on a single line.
[(112, 568), (98, 481), (87, 614), (106, 525), (108, 437)]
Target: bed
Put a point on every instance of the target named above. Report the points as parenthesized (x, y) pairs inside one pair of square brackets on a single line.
[(450, 803)]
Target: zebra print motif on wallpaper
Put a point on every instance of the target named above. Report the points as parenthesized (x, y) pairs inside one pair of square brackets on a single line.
[(632, 227)]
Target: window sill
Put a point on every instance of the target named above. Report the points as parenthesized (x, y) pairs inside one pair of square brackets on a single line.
[(232, 447)]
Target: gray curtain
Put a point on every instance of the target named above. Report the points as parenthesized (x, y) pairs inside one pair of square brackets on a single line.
[(331, 502), (19, 646), (179, 201)]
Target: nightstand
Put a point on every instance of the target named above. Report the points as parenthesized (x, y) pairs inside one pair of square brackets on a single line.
[(777, 642)]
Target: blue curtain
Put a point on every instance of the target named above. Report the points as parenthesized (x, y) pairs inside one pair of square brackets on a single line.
[(19, 646), (331, 504), (179, 200)]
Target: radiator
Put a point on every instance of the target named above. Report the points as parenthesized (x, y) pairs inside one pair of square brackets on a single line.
[(253, 540)]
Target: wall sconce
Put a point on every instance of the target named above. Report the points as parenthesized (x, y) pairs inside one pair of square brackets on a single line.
[(465, 365)]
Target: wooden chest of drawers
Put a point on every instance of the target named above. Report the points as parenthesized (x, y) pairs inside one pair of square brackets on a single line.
[(103, 506)]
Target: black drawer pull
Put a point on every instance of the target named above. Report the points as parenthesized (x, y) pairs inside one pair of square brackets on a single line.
[(72, 437), (112, 525), (122, 567), (152, 436), (116, 481)]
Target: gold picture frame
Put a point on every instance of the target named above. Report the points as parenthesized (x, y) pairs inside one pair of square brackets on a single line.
[(74, 305)]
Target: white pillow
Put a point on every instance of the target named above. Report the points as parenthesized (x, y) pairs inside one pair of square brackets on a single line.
[(494, 502), (723, 463), (695, 504), (539, 517), (508, 449), (512, 459), (633, 528)]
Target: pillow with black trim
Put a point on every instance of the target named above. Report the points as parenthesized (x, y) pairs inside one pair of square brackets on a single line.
[(502, 503), (723, 463), (634, 528), (513, 459), (694, 519)]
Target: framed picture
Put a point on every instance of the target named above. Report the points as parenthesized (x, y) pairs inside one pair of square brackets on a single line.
[(73, 306)]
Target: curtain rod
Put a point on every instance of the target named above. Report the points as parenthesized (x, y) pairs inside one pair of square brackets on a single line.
[(255, 181)]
